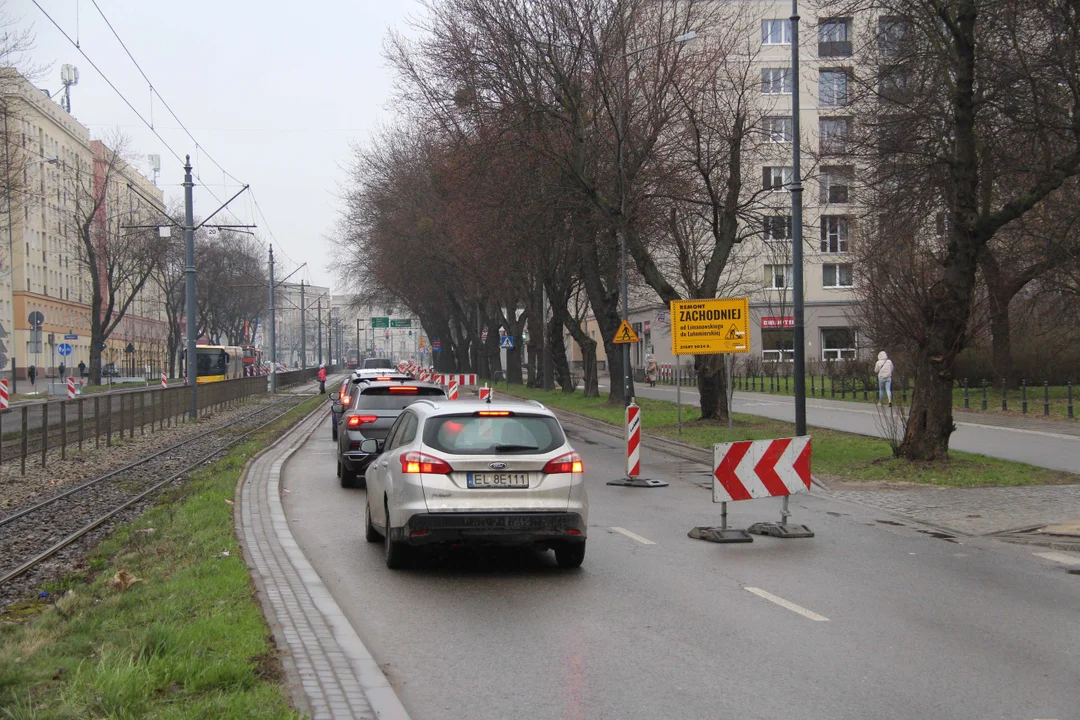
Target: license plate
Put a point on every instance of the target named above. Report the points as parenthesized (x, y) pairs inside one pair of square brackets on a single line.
[(494, 480)]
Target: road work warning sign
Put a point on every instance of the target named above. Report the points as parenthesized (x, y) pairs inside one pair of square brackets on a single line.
[(625, 334), (710, 327)]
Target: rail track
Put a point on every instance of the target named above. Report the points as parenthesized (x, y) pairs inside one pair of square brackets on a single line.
[(49, 529)]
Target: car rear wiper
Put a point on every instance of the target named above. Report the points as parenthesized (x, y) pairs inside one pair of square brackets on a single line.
[(511, 448)]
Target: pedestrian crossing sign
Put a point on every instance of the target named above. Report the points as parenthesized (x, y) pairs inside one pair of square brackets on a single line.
[(625, 334)]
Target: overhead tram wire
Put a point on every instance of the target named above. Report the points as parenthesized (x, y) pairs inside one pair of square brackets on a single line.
[(139, 115)]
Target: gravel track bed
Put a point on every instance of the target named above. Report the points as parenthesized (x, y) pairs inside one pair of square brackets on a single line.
[(29, 535)]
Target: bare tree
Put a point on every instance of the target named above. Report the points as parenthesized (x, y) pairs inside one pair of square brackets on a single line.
[(117, 256), (970, 108)]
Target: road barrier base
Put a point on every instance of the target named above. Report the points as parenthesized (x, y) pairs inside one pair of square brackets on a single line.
[(720, 535), (638, 482), (778, 530)]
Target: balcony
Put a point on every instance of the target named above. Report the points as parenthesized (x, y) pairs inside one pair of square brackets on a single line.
[(834, 49)]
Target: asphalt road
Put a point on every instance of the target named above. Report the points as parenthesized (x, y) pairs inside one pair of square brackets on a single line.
[(1055, 450), (866, 620)]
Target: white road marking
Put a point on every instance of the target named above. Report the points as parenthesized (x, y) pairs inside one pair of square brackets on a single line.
[(787, 604), (633, 536), (1063, 558)]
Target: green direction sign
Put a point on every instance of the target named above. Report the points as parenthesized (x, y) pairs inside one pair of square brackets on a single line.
[(380, 322), (401, 323)]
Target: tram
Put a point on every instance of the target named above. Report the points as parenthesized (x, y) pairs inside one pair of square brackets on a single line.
[(215, 363)]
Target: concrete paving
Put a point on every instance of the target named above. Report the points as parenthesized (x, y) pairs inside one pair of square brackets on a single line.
[(872, 618), (1057, 449)]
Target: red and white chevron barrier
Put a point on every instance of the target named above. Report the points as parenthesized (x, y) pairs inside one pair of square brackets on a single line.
[(633, 440), (452, 391), (164, 380), (485, 393), (425, 376), (4, 402), (761, 468), (71, 388)]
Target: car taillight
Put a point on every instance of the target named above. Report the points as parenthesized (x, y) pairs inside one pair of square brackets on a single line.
[(494, 413), (568, 463), (403, 389), (414, 463), (358, 420), (345, 400)]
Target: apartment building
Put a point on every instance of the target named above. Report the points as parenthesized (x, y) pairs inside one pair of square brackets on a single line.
[(52, 167), (763, 261)]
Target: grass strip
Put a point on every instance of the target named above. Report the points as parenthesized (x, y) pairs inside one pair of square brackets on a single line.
[(837, 456), (187, 640)]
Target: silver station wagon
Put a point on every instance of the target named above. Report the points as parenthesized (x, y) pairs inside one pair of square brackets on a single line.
[(472, 472)]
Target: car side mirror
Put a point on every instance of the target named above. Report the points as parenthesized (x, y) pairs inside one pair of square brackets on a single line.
[(335, 396), (337, 407), (371, 447)]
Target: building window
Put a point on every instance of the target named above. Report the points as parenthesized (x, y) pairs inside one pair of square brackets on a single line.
[(778, 277), (834, 234), (775, 81), (778, 178), (833, 88), (838, 344), (777, 227), (775, 32), (892, 33), (834, 37), (777, 129), (778, 345), (835, 183), (834, 133), (837, 276)]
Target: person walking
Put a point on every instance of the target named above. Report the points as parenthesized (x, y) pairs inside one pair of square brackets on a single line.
[(32, 372), (322, 379), (884, 369), (82, 369)]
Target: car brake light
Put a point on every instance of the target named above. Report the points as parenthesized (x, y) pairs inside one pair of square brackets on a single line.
[(345, 400), (358, 420), (403, 389), (384, 379), (413, 463), (493, 413), (568, 463)]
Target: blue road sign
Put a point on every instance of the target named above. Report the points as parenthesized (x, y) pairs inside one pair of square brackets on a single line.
[(507, 342), (64, 349), (71, 337)]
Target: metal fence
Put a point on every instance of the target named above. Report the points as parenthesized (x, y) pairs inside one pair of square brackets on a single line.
[(33, 430)]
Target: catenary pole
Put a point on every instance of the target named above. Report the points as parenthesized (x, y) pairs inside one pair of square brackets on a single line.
[(303, 330), (797, 234), (192, 364), (273, 328), (318, 323)]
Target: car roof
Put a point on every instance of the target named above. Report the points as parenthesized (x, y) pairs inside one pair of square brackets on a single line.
[(398, 383), (438, 406), (376, 372)]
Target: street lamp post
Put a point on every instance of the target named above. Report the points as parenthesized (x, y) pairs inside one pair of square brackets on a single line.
[(797, 236)]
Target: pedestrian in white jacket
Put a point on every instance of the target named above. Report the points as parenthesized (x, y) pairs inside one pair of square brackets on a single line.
[(884, 368)]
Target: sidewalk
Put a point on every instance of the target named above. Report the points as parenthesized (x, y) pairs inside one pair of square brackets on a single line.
[(329, 672)]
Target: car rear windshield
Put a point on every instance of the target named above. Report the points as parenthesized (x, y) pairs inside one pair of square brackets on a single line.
[(475, 435), (384, 398), (378, 363)]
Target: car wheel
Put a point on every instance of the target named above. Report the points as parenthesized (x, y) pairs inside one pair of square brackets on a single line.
[(348, 477), (339, 467), (396, 554), (370, 533), (570, 555)]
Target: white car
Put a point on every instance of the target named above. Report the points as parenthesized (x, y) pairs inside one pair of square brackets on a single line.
[(471, 472)]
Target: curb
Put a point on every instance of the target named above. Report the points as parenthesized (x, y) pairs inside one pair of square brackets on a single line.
[(366, 673)]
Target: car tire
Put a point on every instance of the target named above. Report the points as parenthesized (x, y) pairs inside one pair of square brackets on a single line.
[(339, 467), (396, 554), (570, 555), (348, 477), (370, 533)]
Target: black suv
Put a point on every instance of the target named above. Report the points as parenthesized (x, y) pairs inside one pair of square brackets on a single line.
[(372, 409)]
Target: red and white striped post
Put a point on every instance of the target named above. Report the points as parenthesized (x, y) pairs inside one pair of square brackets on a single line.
[(4, 402), (164, 380), (633, 453), (452, 392), (71, 388), (485, 393)]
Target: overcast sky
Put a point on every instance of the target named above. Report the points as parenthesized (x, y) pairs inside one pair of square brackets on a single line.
[(274, 91)]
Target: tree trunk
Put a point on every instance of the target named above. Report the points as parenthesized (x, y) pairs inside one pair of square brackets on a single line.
[(712, 386), (589, 380), (560, 365), (930, 422)]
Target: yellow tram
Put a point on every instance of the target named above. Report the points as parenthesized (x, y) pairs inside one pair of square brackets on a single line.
[(215, 363)]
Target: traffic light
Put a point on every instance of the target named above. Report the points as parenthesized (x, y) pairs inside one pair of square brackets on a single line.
[(410, 333)]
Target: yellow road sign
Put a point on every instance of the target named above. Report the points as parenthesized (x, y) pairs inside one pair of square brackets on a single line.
[(625, 334), (710, 327)]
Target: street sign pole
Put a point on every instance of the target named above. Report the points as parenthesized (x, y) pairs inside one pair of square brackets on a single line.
[(796, 236)]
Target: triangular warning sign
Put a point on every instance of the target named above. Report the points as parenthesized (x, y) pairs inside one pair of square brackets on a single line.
[(732, 333), (625, 334)]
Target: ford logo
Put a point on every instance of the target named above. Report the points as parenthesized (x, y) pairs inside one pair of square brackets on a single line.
[(497, 466)]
